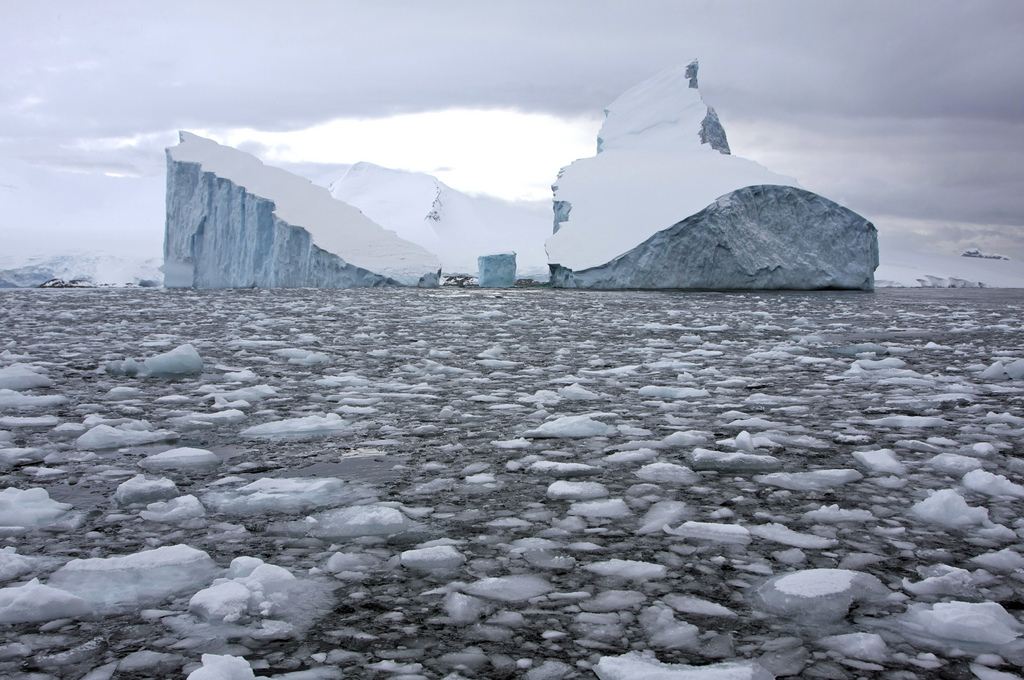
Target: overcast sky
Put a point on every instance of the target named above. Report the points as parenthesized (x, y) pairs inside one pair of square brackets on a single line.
[(911, 113)]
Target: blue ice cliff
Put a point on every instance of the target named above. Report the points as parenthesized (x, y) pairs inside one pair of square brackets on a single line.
[(233, 222)]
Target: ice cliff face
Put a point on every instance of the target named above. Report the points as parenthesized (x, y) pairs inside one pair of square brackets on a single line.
[(663, 157), (758, 237), (233, 222), (457, 227)]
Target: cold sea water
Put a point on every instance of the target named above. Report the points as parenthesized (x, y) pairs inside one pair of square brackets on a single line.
[(536, 483)]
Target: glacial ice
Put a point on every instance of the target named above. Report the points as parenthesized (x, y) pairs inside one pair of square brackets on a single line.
[(34, 602), (24, 510), (222, 667), (181, 459), (497, 271), (636, 666), (233, 222), (819, 595), (664, 204), (19, 377)]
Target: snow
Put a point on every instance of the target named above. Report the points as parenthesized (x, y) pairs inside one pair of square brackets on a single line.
[(22, 510), (223, 667), (497, 271), (819, 595), (292, 233), (636, 666), (947, 508), (908, 268), (619, 215)]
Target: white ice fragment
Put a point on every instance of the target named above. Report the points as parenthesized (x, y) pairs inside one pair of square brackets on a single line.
[(183, 459), (24, 510), (577, 392), (632, 570), (289, 495), (556, 468), (910, 422), (953, 463), (331, 423), (515, 588), (612, 601), (33, 602), (863, 646), (1005, 560), (669, 473), (815, 480), (359, 520), (981, 623), (949, 509), (732, 461), (611, 508), (687, 604), (439, 557), (13, 565), (135, 580), (107, 437), (11, 400), (880, 461), (178, 363), (780, 533), (835, 514), (462, 608), (711, 531), (663, 631), (178, 509), (992, 484), (941, 580), (636, 666), (659, 392), (222, 667), (576, 491), (227, 602), (821, 595), (571, 427), (20, 377), (141, 490), (660, 514)]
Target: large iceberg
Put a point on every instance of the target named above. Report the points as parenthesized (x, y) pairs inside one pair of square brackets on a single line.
[(665, 204), (233, 222), (458, 227)]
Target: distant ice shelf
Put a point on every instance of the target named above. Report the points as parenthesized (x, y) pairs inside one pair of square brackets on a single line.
[(233, 222)]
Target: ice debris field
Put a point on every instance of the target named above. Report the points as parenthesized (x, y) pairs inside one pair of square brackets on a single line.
[(402, 484)]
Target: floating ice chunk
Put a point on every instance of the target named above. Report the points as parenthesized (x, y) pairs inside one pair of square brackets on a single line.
[(940, 580), (613, 601), (949, 509), (711, 531), (20, 456), (359, 520), (815, 480), (1015, 370), (1005, 560), (690, 438), (835, 514), (572, 427), (910, 421), (996, 371), (631, 570), (953, 463), (555, 468), (33, 602), (732, 461), (11, 400), (20, 377), (862, 646), (178, 509), (331, 423), (667, 473), (127, 434), (991, 484), (660, 514), (141, 490), (290, 495), (631, 456), (881, 461), (636, 666), (780, 533), (576, 491), (30, 509), (222, 667), (136, 580), (878, 364), (224, 417), (183, 459), (577, 392), (515, 588), (227, 602), (981, 623), (983, 672), (612, 508), (438, 557), (463, 609), (659, 622), (819, 595), (687, 604), (658, 392), (13, 565)]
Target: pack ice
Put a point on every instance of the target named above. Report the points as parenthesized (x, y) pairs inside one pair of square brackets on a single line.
[(665, 204), (233, 222)]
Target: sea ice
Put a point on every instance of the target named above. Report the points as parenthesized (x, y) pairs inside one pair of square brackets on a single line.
[(949, 509), (359, 520), (631, 570), (881, 461), (819, 595), (711, 531), (178, 509), (13, 565), (862, 646), (984, 624), (575, 491), (223, 667), (25, 510), (815, 480), (288, 495), (127, 434), (438, 557), (732, 461), (515, 588), (18, 377), (331, 423), (183, 459), (636, 666), (180, 362), (991, 484), (571, 427), (34, 602)]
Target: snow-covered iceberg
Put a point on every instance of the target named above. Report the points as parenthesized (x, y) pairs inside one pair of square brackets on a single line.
[(234, 222), (455, 226), (665, 204)]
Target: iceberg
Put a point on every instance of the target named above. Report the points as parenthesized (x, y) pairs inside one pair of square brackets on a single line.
[(233, 222), (665, 204), (497, 271), (457, 227)]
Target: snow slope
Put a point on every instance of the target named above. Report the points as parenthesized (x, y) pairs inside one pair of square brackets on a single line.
[(910, 269), (96, 268), (458, 228), (651, 171), (234, 222)]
